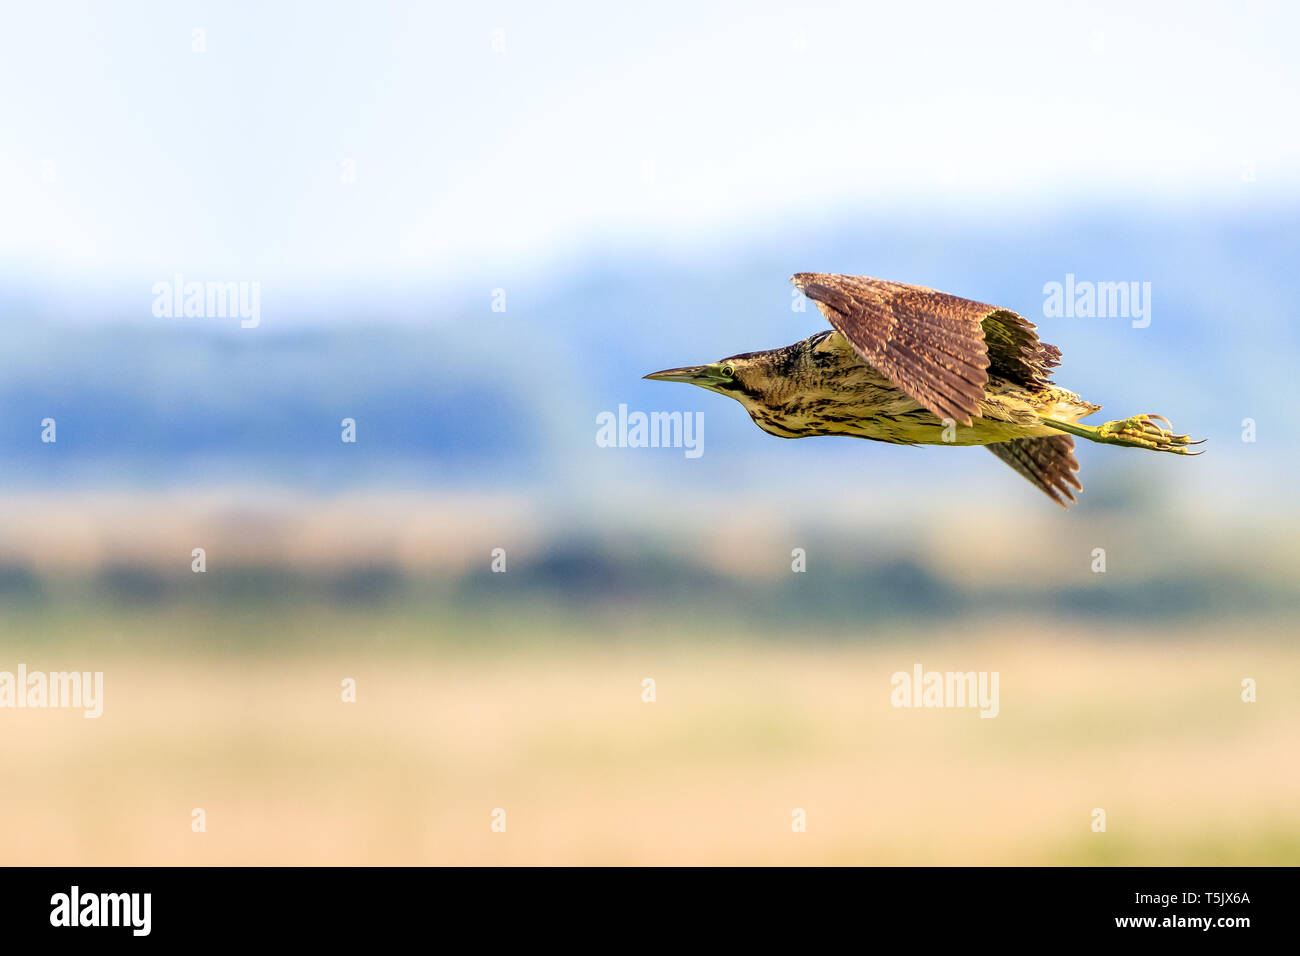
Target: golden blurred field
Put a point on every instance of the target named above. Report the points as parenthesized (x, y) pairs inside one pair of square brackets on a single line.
[(1147, 725)]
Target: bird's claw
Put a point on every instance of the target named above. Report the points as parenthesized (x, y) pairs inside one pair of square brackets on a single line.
[(1142, 430)]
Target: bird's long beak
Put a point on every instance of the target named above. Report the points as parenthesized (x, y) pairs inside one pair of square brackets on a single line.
[(691, 374)]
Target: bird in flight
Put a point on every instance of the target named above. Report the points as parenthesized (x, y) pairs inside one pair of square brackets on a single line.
[(912, 366)]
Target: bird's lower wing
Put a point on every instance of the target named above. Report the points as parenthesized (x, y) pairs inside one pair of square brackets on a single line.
[(1047, 462)]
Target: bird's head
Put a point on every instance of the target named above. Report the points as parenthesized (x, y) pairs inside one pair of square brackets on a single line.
[(747, 378)]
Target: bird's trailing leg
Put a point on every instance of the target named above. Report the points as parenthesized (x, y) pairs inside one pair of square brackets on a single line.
[(1140, 431)]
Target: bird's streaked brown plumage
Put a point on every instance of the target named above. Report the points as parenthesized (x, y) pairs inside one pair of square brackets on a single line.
[(1048, 463), (907, 365), (936, 347)]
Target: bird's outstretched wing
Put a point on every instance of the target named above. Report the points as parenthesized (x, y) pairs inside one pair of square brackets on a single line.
[(1015, 353), (1047, 462), (938, 348)]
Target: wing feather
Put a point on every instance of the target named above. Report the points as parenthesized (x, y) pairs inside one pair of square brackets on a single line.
[(927, 343), (1048, 463), (1015, 353), (938, 348)]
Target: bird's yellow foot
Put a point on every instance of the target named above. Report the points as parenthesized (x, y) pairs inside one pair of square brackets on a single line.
[(1140, 431), (1144, 431)]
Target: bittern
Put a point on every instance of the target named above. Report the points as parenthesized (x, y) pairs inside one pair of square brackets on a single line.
[(911, 366)]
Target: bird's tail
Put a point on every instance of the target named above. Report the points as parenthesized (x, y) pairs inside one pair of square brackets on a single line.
[(1140, 431)]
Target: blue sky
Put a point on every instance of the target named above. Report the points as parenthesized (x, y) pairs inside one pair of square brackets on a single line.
[(641, 181), (672, 125)]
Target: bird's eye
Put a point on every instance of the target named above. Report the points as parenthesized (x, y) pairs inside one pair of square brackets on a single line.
[(728, 371)]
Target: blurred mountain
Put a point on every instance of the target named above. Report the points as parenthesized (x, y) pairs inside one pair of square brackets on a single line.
[(445, 390)]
